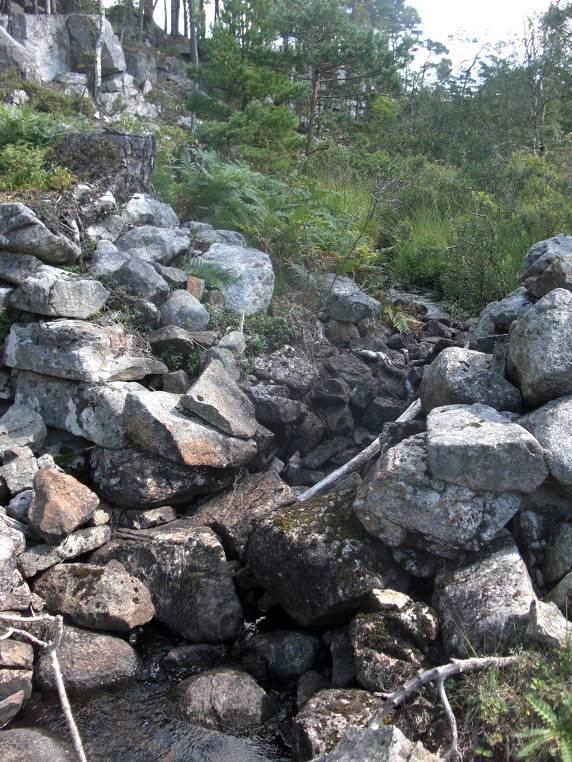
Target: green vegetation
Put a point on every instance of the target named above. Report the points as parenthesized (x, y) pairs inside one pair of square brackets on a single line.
[(214, 275)]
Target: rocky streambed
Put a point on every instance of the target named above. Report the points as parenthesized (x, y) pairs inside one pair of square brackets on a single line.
[(207, 612)]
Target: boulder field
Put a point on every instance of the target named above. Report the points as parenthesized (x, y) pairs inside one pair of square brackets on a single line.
[(144, 504)]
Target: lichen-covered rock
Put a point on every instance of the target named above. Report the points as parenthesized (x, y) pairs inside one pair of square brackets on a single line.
[(98, 597), (540, 349), (402, 504), (142, 209), (345, 301), (154, 244), (40, 557), (387, 743), (319, 725), (484, 606), (140, 278), (496, 319), (131, 478), (253, 276), (156, 424), (287, 366), (84, 32), (478, 448), (88, 661), (223, 699), (319, 547), (461, 377), (547, 627), (548, 265), (551, 425), (184, 310), (56, 293), (558, 554), (185, 569), (23, 426), (29, 745), (18, 468), (59, 504), (21, 232)]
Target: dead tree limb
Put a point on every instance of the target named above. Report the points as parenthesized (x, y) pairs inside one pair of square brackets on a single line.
[(50, 647), (358, 461), (438, 675)]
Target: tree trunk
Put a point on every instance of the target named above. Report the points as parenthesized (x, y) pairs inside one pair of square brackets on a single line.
[(98, 49), (174, 17), (35, 7), (193, 32), (313, 111), (216, 10)]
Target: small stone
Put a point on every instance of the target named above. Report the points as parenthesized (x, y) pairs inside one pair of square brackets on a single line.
[(184, 310), (547, 626), (196, 287)]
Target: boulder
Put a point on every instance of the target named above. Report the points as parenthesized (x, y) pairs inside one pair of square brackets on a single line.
[(22, 426), (287, 366), (77, 350), (320, 723), (29, 745), (131, 478), (561, 595), (55, 293), (547, 627), (155, 423), (185, 311), (154, 244), (146, 519), (252, 272), (140, 278), (345, 301), (97, 597), (84, 31), (59, 504), (551, 425), (402, 504), (234, 341), (217, 399), (17, 468), (107, 259), (185, 569), (497, 317), (462, 377), (173, 338), (484, 606), (558, 553), (107, 229), (92, 411), (319, 547), (21, 232), (235, 513), (197, 657), (222, 699), (43, 556), (142, 209), (558, 245), (548, 265), (88, 661), (540, 349), (280, 654), (274, 410), (382, 410), (478, 448), (368, 745)]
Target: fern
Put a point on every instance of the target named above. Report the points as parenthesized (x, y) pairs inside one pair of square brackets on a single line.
[(555, 736), (214, 275), (397, 319)]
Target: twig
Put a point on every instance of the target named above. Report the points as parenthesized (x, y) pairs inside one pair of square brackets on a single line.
[(438, 675), (358, 461), (51, 647)]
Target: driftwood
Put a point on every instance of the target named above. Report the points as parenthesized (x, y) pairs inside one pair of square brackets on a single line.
[(358, 461), (50, 647), (438, 675)]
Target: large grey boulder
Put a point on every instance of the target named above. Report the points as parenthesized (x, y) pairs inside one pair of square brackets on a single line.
[(84, 30), (477, 447), (96, 597), (386, 744), (540, 349), (461, 376), (497, 317), (142, 209), (53, 292), (235, 513), (548, 265), (223, 699), (130, 478), (92, 411), (185, 569), (320, 548), (154, 244), (21, 425), (484, 606), (551, 425), (402, 504), (141, 279), (253, 285), (77, 350), (184, 310), (107, 259), (217, 398), (16, 268), (345, 301), (88, 661), (156, 423), (21, 232)]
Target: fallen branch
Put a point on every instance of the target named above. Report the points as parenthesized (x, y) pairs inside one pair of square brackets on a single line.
[(438, 675), (358, 461), (50, 646)]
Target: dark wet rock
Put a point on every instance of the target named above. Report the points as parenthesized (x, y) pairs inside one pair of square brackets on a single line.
[(484, 606), (350, 369), (323, 719), (331, 390), (199, 656), (310, 683), (131, 478), (325, 452), (382, 410), (343, 664), (222, 699), (273, 410), (319, 547), (558, 555), (185, 569), (30, 745), (235, 513), (172, 338), (337, 417), (88, 661), (100, 597), (281, 654), (152, 517)]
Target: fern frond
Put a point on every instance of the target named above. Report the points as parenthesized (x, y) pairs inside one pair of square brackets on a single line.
[(544, 711), (214, 275)]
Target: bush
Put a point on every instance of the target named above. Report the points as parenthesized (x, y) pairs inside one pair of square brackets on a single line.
[(25, 167)]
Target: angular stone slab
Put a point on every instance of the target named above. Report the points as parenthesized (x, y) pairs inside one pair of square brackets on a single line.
[(55, 293), (23, 233), (551, 424)]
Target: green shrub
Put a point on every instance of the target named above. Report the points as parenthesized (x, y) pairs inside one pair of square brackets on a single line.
[(25, 167), (24, 125), (215, 276)]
